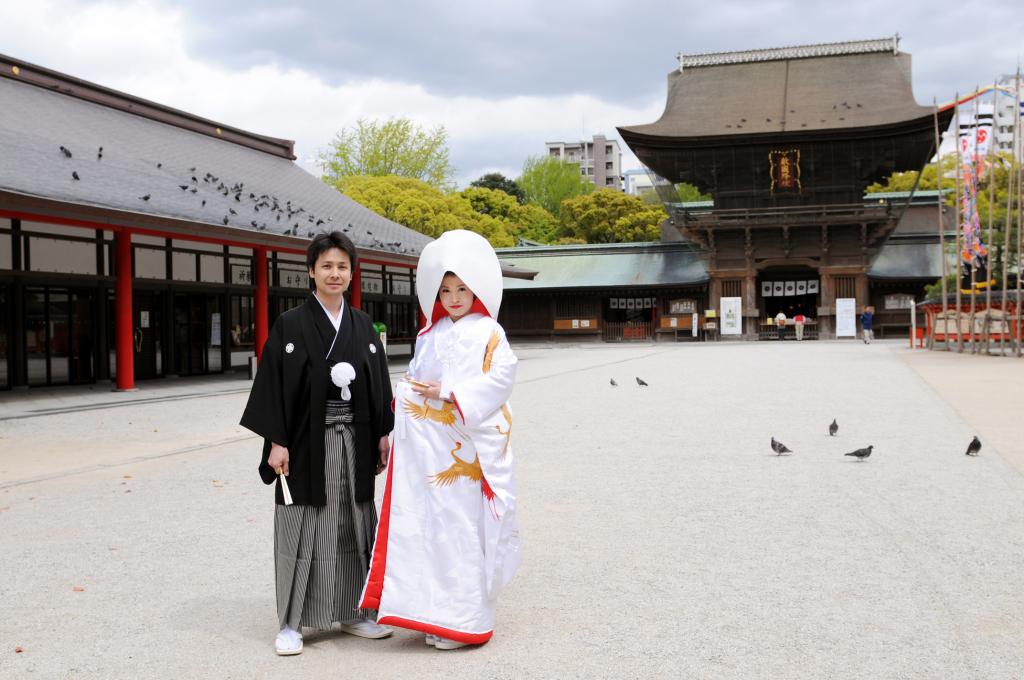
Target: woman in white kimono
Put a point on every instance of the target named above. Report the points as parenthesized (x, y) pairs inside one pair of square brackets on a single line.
[(447, 540)]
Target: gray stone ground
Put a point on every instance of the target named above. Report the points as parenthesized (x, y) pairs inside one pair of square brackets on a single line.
[(662, 537)]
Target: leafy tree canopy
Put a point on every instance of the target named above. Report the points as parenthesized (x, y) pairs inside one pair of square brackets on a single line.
[(608, 216), (498, 181), (548, 181), (396, 146)]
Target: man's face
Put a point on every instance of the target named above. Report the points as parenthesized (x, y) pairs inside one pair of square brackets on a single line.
[(332, 272)]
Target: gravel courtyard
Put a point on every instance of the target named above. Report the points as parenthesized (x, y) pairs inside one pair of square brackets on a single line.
[(663, 538)]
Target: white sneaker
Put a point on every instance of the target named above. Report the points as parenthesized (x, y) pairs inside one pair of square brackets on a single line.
[(445, 643), (288, 642), (431, 640), (366, 628)]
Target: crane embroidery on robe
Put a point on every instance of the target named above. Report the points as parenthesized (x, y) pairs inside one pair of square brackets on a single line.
[(492, 345), (444, 415), (471, 471), (507, 433)]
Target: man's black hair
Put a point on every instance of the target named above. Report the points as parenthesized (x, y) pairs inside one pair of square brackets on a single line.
[(324, 241)]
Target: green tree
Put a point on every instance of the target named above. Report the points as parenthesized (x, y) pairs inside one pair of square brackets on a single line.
[(999, 174), (528, 221), (424, 208), (498, 181), (396, 146), (608, 216), (548, 181)]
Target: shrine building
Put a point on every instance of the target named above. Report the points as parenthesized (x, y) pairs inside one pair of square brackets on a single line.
[(786, 142)]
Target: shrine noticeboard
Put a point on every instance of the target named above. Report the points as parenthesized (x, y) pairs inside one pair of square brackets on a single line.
[(732, 315), (846, 317)]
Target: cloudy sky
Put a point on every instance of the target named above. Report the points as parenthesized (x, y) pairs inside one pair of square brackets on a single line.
[(502, 77)]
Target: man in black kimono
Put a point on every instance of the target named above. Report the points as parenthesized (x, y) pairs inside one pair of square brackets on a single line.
[(322, 402)]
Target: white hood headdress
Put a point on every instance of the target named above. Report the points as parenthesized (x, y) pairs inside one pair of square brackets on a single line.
[(469, 256)]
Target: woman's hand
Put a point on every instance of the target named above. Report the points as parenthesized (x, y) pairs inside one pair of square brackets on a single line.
[(432, 391), (385, 449), (278, 460)]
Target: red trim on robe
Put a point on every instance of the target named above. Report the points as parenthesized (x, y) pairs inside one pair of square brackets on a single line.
[(431, 629), (456, 402), (378, 562)]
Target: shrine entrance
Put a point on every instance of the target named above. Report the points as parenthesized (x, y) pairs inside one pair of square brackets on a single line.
[(791, 290)]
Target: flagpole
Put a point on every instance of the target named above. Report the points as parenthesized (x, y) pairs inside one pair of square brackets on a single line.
[(974, 210), (1005, 260), (988, 242), (1020, 215), (959, 252), (942, 230)]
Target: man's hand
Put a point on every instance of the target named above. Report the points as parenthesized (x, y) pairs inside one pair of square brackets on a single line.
[(385, 450), (278, 460)]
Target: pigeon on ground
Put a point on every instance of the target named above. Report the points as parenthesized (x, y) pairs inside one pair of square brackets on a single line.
[(74, 175), (860, 454), (66, 151), (974, 447), (641, 383), (144, 198), (614, 384), (833, 428), (99, 154), (779, 448)]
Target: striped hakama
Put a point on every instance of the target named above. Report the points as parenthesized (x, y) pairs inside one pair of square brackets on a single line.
[(321, 554)]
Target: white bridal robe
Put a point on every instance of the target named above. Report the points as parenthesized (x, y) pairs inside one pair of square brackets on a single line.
[(447, 539)]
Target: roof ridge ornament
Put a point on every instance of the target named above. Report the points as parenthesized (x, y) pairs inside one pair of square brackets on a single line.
[(791, 52)]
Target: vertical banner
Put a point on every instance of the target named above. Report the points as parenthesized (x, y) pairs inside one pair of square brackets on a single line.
[(766, 289), (693, 324), (846, 317), (732, 315)]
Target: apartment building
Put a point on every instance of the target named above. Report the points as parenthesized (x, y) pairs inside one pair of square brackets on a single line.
[(600, 159)]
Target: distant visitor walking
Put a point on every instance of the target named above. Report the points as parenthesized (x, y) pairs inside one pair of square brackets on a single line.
[(780, 323), (867, 322), (798, 323)]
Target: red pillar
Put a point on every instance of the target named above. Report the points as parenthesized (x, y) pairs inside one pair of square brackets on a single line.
[(123, 323), (261, 303), (355, 287)]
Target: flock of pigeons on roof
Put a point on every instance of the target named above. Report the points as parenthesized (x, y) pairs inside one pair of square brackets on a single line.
[(782, 121), (296, 218), (780, 449)]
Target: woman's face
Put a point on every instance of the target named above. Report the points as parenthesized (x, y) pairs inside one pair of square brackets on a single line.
[(455, 296), (332, 272)]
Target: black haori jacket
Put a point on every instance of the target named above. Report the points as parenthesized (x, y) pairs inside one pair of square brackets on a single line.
[(287, 404)]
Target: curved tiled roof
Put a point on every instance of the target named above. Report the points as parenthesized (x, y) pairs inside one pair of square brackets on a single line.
[(785, 90), (188, 177)]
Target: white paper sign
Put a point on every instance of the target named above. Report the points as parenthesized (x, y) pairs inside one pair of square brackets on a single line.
[(801, 288), (790, 288), (693, 325), (846, 317), (812, 287), (732, 315), (777, 287), (143, 318), (766, 289)]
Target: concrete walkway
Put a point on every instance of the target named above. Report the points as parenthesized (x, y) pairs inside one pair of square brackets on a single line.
[(663, 538)]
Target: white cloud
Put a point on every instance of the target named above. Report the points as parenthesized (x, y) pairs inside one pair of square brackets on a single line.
[(140, 48)]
